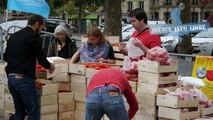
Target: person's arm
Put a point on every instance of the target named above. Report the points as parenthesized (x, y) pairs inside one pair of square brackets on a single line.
[(132, 101), (75, 57), (41, 57)]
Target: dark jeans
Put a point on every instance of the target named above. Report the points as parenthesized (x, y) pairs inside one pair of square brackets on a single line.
[(24, 95), (102, 102)]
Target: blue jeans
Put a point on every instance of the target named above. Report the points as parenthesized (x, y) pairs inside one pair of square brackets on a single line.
[(25, 97), (100, 102)]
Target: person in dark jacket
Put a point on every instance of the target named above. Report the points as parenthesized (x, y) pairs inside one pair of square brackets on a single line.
[(24, 49), (62, 46)]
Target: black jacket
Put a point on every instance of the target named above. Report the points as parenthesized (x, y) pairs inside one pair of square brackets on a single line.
[(23, 49), (66, 52)]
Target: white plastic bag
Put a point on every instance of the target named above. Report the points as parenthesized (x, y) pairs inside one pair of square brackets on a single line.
[(133, 51), (188, 80), (127, 63)]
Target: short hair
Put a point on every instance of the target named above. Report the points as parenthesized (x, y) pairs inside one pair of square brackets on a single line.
[(139, 14), (61, 29), (35, 18), (95, 31)]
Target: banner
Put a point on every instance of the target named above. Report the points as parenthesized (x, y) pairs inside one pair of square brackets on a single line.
[(203, 69), (30, 6)]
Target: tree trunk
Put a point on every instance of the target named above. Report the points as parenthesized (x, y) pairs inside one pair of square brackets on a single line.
[(112, 18), (185, 46)]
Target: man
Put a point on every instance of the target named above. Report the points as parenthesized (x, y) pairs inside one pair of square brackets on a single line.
[(105, 96), (23, 49), (143, 38)]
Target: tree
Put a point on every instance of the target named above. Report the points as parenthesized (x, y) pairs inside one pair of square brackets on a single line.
[(202, 5), (113, 22)]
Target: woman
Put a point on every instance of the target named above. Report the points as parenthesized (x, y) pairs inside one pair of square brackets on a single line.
[(62, 46), (96, 49)]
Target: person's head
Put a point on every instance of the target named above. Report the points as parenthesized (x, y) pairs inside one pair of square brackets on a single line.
[(138, 18), (95, 37), (61, 33), (36, 22)]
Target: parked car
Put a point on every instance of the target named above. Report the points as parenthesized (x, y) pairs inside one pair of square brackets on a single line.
[(170, 42), (202, 42), (127, 32), (49, 26)]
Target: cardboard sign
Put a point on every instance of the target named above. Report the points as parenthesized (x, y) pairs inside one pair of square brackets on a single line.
[(203, 69)]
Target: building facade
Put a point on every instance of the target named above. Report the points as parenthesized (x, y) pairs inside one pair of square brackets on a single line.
[(160, 9)]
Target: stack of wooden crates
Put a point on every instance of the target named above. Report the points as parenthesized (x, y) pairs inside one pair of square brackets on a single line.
[(2, 80), (149, 85)]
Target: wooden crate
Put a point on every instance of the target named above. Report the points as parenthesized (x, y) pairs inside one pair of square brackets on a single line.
[(2, 92), (174, 102), (48, 89), (69, 115), (48, 99), (65, 97), (77, 69), (155, 67), (64, 86), (61, 77), (176, 114), (206, 111), (53, 116), (1, 104), (80, 97), (90, 72), (81, 106), (148, 105), (78, 88), (49, 109), (64, 107), (79, 115), (78, 78), (155, 78), (153, 88)]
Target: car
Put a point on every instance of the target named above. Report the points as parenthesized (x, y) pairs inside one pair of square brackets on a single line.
[(170, 41), (202, 42), (18, 24), (127, 32)]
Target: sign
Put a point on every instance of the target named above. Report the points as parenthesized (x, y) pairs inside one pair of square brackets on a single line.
[(185, 28), (203, 69), (30, 6)]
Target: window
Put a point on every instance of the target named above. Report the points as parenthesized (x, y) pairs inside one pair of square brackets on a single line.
[(195, 2), (141, 4), (166, 16), (206, 15), (168, 2), (194, 17), (129, 6), (156, 15)]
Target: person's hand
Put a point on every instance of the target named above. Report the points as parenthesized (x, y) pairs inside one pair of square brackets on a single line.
[(52, 68), (122, 47), (137, 43)]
